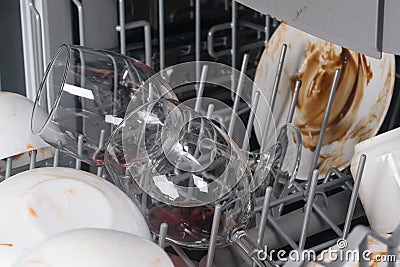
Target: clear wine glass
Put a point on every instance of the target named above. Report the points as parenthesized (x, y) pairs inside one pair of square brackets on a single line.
[(178, 165), (86, 92)]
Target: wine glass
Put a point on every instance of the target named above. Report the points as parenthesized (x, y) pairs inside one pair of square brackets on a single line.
[(177, 165), (86, 92)]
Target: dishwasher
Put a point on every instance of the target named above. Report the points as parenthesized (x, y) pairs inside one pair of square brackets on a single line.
[(215, 55)]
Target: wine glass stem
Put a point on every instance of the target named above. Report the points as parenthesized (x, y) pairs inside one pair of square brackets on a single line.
[(247, 244)]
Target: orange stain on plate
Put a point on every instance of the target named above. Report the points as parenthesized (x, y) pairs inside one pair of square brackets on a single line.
[(29, 146), (32, 212), (6, 245), (156, 262), (71, 191)]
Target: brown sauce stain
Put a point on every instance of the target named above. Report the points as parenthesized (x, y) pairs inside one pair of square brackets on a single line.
[(317, 73), (32, 212), (6, 244)]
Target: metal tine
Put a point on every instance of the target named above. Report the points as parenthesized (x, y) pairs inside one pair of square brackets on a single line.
[(213, 237), (234, 31), (143, 183), (210, 111), (348, 185), (200, 91), (197, 107), (38, 34), (289, 119), (115, 94), (101, 144), (8, 167), (364, 247), (330, 172), (198, 36), (163, 235), (293, 104), (354, 194), (81, 23), (147, 44), (83, 77), (183, 256), (254, 105), (320, 212), (199, 95), (209, 115), (151, 90), (281, 233), (274, 93), (264, 216), (238, 94), (234, 46), (122, 32), (324, 124), (78, 162), (266, 29), (309, 205), (56, 159), (79, 6), (32, 163), (161, 33)]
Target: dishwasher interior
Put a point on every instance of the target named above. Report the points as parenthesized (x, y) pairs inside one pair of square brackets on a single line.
[(314, 214)]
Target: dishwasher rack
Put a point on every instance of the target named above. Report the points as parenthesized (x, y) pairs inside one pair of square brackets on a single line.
[(249, 244), (321, 206)]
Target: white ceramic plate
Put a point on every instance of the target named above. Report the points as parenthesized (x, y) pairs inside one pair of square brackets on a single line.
[(42, 202), (15, 133), (361, 101), (95, 248), (380, 184)]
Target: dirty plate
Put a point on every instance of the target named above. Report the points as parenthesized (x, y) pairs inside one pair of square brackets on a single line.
[(42, 202), (362, 98), (92, 247), (16, 138)]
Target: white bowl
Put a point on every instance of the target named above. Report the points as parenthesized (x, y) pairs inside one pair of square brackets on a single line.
[(15, 134), (95, 248), (42, 202), (380, 184), (359, 107)]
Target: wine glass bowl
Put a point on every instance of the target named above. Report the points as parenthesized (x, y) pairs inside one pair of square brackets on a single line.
[(87, 92), (178, 165)]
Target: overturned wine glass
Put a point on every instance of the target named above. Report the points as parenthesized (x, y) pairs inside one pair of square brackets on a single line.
[(178, 165), (86, 92)]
